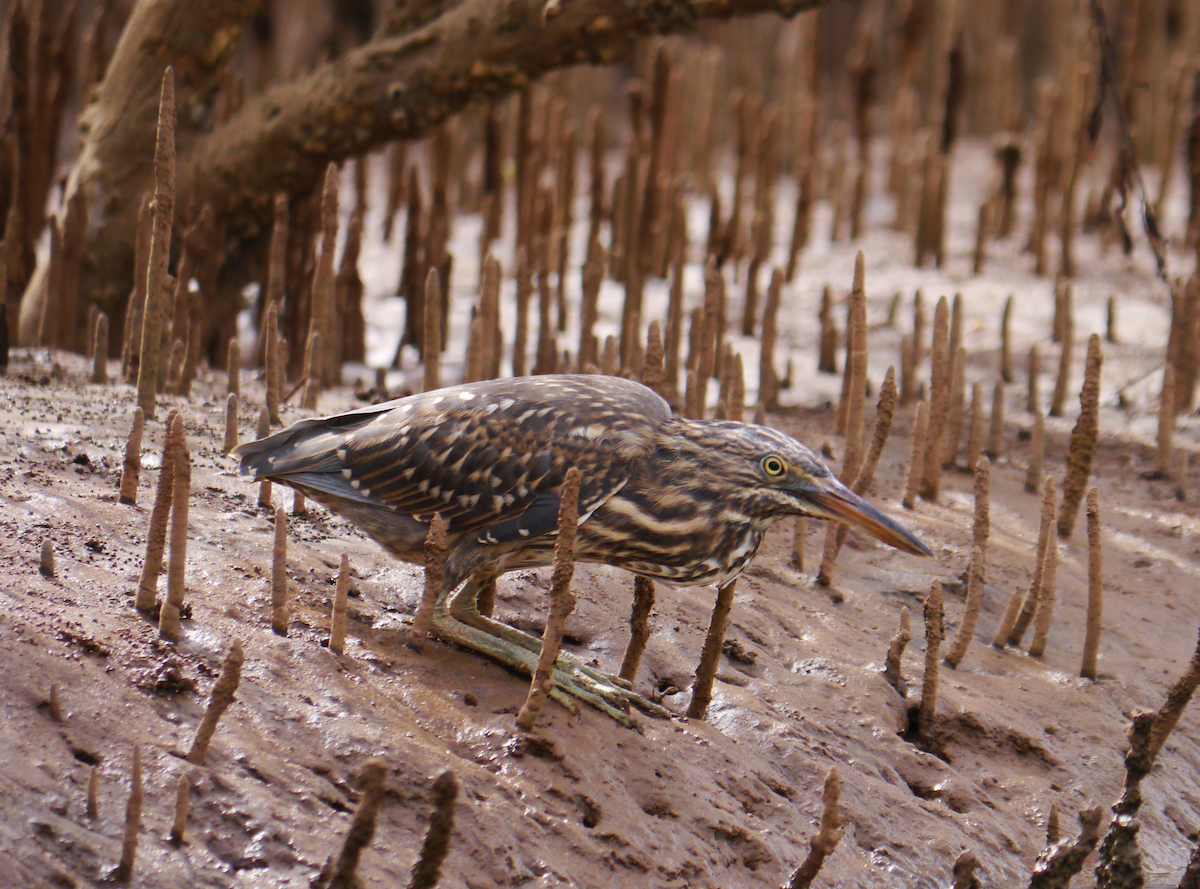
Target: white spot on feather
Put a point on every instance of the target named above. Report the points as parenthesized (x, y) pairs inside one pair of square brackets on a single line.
[(346, 473), (467, 396)]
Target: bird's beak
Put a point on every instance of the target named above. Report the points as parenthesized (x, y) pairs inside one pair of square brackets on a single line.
[(830, 499)]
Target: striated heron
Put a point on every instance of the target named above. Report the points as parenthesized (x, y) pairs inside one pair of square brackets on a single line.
[(685, 501)]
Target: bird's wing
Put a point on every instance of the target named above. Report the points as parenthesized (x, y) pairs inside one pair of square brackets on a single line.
[(490, 457)]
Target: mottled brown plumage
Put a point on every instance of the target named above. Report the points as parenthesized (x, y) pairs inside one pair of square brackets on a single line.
[(683, 500)]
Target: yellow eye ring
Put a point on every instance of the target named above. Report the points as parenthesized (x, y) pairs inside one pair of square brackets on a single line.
[(773, 467)]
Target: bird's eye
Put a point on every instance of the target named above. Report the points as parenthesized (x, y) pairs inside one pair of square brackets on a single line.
[(773, 467)]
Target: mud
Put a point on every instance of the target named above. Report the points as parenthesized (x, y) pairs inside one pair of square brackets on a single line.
[(730, 801)]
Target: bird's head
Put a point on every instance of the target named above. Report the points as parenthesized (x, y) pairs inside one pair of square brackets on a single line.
[(778, 477)]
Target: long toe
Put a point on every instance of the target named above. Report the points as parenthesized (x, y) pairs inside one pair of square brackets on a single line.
[(615, 691), (567, 662), (607, 694)]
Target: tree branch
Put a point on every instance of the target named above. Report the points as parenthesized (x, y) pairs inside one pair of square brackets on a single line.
[(119, 125), (115, 165), (396, 86), (400, 87)]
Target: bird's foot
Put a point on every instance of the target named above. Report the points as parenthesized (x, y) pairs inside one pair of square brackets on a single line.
[(566, 661), (608, 694), (613, 689)]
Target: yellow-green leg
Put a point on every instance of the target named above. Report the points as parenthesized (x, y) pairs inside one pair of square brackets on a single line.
[(464, 605), (457, 619)]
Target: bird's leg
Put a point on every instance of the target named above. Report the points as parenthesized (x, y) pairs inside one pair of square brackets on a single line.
[(565, 689), (464, 605), (457, 619)]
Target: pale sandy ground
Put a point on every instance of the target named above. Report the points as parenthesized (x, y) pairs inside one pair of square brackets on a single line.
[(728, 802)]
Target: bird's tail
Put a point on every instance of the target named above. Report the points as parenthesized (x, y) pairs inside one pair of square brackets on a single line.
[(309, 446), (309, 457)]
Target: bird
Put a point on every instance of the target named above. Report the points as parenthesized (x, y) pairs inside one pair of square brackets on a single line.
[(681, 500)]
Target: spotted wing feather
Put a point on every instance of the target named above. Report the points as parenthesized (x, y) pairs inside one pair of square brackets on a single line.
[(490, 457)]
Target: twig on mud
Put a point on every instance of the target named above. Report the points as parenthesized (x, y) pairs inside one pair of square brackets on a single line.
[(562, 600), (1063, 859), (435, 580), (1106, 88), (133, 821), (183, 799), (339, 872), (222, 697), (891, 668), (827, 837), (427, 870)]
